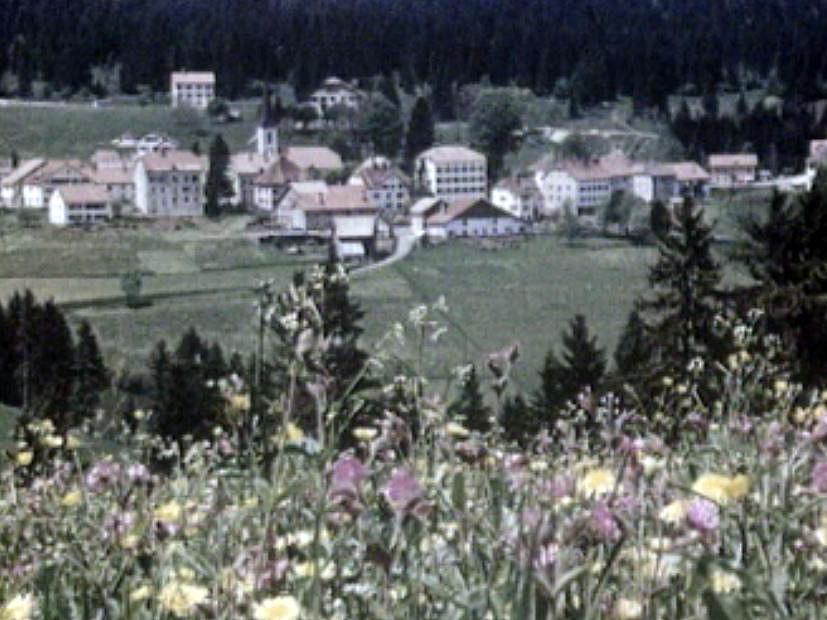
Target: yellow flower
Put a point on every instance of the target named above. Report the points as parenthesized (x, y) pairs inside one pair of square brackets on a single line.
[(129, 541), (308, 569), (674, 512), (458, 431), (71, 499), (72, 442), (24, 459), (185, 574), (628, 609), (596, 482), (721, 489), (724, 582), (363, 433), (240, 402), (169, 512), (277, 608), (140, 594), (293, 433), (20, 607), (51, 441), (182, 598), (651, 464)]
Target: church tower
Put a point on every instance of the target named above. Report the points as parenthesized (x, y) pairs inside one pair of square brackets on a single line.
[(267, 133)]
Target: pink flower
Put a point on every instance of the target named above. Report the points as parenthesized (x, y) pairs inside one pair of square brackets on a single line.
[(405, 494), (819, 477), (703, 516), (604, 524), (346, 483)]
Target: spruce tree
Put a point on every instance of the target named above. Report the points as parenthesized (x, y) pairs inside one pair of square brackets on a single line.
[(517, 421), (685, 295), (633, 354), (218, 186), (8, 365), (91, 375), (469, 408), (420, 136)]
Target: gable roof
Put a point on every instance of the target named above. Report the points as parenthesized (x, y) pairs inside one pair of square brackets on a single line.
[(451, 153), (336, 198), (318, 157), (249, 163), (423, 205), (83, 193), (172, 161), (733, 160), (23, 171), (470, 207), (114, 176), (377, 177), (54, 167), (280, 172)]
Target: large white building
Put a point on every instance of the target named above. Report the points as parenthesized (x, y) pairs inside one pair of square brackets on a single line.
[(452, 172), (79, 205), (335, 92), (170, 184), (193, 89), (386, 185)]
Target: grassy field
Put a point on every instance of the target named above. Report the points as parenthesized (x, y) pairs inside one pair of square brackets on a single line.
[(75, 130)]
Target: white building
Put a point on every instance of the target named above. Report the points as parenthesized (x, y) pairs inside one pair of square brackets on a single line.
[(118, 182), (452, 172), (474, 217), (11, 187), (344, 209), (335, 92), (421, 210), (170, 184), (194, 89), (728, 169), (386, 185), (131, 147), (78, 205), (518, 195), (270, 186)]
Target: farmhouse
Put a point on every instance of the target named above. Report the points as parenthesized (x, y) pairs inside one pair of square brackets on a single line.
[(194, 89), (335, 92), (452, 172), (519, 195), (727, 169), (78, 205), (38, 187), (169, 184), (11, 187), (473, 217), (386, 185)]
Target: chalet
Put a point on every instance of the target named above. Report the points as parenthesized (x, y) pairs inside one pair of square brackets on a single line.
[(11, 187), (169, 184), (520, 196), (194, 89), (79, 205), (474, 217), (335, 92), (452, 172), (817, 155), (386, 185), (38, 187), (728, 169)]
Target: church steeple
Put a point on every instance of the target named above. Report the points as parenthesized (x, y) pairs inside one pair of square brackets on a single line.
[(267, 134)]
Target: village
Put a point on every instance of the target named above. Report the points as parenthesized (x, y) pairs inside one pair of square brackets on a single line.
[(306, 192)]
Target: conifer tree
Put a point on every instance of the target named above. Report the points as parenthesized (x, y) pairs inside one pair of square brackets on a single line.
[(633, 354), (420, 136), (469, 408), (517, 420), (218, 186), (91, 375), (685, 296)]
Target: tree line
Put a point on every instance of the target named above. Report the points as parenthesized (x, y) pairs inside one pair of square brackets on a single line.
[(591, 50)]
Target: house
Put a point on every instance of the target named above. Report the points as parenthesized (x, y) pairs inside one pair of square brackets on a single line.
[(387, 186), (452, 172), (472, 217), (106, 158), (131, 147), (118, 182), (78, 205), (727, 169), (421, 210), (194, 89), (270, 186), (11, 186), (170, 184), (313, 162), (335, 92), (520, 196), (675, 180), (343, 209), (581, 186), (817, 156), (38, 187), (243, 171)]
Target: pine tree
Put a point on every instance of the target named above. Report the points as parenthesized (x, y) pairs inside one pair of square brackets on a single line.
[(91, 375), (660, 220), (518, 422), (633, 354), (218, 187), (52, 367), (685, 297), (469, 408), (8, 364), (420, 136)]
